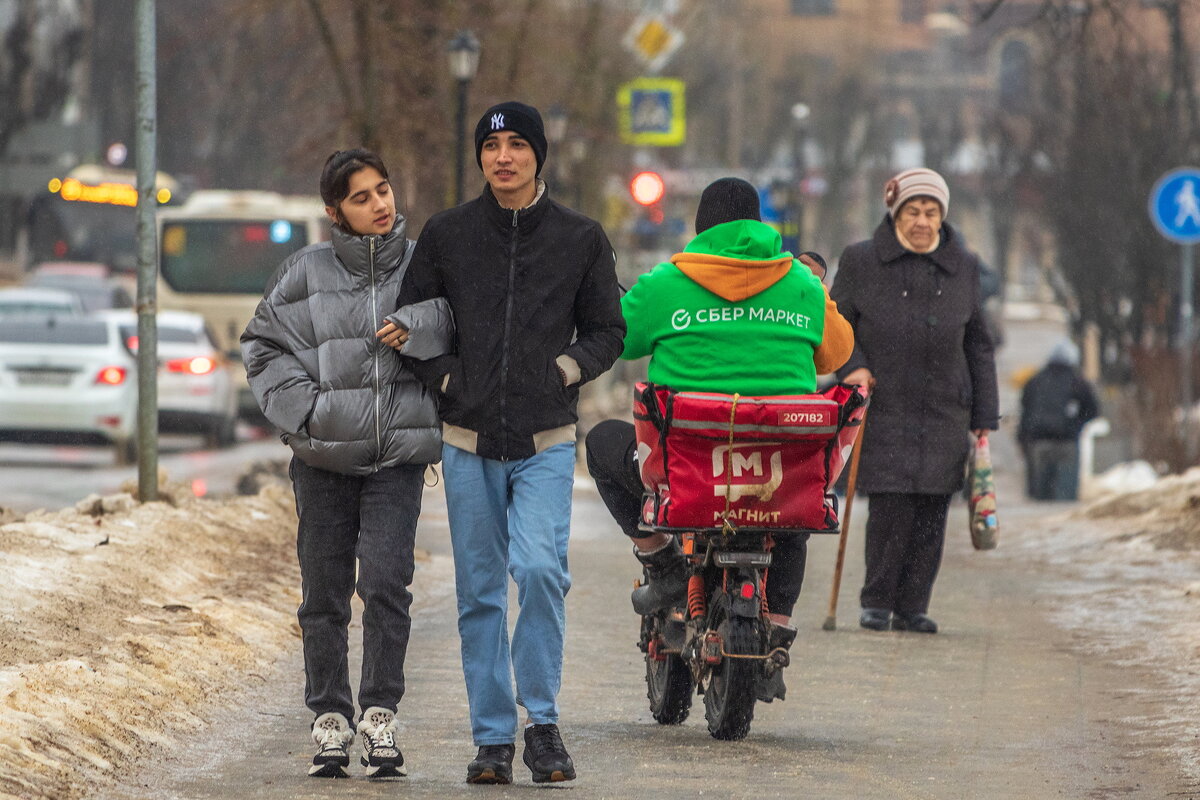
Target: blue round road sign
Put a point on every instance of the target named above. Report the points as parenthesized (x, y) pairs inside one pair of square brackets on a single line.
[(1175, 205)]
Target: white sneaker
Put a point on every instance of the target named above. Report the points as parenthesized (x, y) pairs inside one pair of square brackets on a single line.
[(380, 755), (331, 731)]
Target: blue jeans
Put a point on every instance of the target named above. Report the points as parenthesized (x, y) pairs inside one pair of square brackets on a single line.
[(510, 517)]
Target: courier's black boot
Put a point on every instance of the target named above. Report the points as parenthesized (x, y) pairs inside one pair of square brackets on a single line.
[(666, 573), (769, 685)]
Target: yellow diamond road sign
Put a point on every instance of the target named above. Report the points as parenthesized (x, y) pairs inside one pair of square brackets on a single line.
[(654, 40)]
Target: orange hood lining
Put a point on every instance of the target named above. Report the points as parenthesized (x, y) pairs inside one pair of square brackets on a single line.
[(733, 279)]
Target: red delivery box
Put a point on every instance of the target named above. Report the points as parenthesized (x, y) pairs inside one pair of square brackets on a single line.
[(755, 462)]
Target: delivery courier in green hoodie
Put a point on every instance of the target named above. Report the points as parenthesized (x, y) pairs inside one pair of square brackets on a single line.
[(734, 314), (731, 314)]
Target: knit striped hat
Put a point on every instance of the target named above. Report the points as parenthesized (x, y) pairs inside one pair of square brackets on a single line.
[(919, 182)]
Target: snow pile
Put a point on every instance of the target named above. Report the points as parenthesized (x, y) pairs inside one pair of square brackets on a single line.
[(1134, 476), (1166, 513), (1129, 566), (120, 623)]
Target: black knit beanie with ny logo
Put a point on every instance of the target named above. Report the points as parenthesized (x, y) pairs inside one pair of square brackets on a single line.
[(516, 117)]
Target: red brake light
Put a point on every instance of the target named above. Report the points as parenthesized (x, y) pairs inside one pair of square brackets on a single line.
[(131, 343), (747, 590), (200, 365), (111, 376)]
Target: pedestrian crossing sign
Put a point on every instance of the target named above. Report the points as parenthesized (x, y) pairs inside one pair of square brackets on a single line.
[(652, 112), (1175, 205)]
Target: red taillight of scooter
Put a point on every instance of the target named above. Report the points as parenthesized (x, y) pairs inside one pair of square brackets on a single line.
[(111, 376), (747, 590)]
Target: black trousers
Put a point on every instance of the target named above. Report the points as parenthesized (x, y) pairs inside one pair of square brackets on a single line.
[(612, 462), (905, 536), (344, 519)]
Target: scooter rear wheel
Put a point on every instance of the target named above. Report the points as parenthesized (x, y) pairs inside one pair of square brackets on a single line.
[(729, 696)]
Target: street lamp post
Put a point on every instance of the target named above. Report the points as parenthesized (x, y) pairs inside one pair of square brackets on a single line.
[(800, 115), (464, 61), (781, 196), (147, 327)]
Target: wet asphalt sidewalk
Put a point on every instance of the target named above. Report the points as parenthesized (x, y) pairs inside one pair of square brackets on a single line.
[(1001, 704)]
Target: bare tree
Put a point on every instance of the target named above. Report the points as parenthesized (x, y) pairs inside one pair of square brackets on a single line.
[(354, 66), (1110, 119), (852, 130), (1104, 151), (257, 93)]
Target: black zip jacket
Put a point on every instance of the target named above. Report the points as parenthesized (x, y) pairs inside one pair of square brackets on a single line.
[(525, 287), (1055, 404)]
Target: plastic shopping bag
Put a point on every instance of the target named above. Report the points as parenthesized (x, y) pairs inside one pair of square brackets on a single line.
[(985, 527)]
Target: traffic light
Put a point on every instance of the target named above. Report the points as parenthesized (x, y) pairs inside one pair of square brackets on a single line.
[(647, 188)]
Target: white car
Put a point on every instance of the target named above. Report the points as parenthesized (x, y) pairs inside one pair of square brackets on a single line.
[(29, 300), (67, 379), (196, 388), (92, 283)]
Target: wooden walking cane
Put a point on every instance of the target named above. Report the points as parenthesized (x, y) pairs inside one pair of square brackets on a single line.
[(831, 620)]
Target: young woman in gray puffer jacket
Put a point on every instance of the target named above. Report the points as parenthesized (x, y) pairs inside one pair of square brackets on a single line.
[(362, 430)]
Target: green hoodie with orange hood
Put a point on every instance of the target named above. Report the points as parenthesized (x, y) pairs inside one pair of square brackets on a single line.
[(732, 313)]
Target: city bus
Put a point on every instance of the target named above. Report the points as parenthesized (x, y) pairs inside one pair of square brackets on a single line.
[(217, 251), (90, 214)]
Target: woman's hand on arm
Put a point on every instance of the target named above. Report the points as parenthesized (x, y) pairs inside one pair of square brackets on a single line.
[(392, 335)]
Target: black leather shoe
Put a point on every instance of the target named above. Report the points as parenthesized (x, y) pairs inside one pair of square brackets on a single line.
[(917, 623), (493, 764), (875, 619)]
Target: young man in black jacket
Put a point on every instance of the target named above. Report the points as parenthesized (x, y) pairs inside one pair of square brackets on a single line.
[(537, 308)]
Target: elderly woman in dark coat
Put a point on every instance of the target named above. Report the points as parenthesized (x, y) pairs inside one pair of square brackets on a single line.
[(922, 347)]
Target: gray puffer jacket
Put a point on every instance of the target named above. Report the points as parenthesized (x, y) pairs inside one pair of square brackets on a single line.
[(345, 402)]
